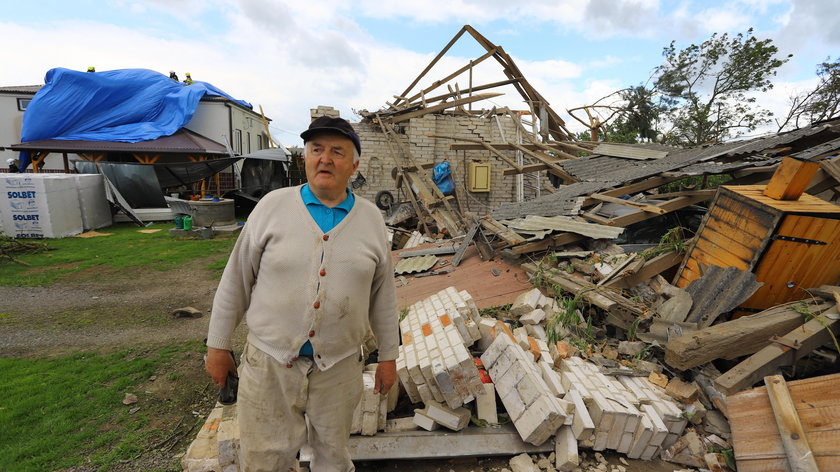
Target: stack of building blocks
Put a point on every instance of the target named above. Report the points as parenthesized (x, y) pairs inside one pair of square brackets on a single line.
[(371, 412), (534, 410), (434, 364), (628, 414)]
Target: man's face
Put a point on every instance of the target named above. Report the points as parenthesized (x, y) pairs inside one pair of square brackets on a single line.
[(329, 164)]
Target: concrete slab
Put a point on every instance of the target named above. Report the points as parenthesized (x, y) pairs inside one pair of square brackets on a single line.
[(471, 441)]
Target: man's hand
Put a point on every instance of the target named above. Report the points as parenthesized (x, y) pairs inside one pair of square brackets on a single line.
[(386, 375), (219, 362)]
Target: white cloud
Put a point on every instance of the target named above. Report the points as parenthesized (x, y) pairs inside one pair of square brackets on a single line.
[(720, 20)]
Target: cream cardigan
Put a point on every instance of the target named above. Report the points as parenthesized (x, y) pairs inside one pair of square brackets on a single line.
[(292, 283)]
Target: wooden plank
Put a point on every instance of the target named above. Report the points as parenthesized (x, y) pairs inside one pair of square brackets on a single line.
[(622, 309), (736, 338), (808, 337), (755, 436), (805, 204), (550, 162), (397, 118), (643, 206), (798, 451), (785, 261), (629, 152), (502, 231), (506, 146), (456, 259), (624, 220), (791, 179), (657, 265)]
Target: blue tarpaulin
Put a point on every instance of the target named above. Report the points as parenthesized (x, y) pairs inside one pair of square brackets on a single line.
[(125, 105)]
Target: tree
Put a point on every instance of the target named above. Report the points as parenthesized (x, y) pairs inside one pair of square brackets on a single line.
[(705, 88), (821, 103), (625, 116)]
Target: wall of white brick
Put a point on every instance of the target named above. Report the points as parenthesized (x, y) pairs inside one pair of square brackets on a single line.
[(378, 161)]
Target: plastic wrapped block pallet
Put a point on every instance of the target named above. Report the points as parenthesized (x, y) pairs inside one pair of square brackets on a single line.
[(96, 212), (39, 205)]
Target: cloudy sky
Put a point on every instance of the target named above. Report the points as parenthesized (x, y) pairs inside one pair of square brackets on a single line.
[(292, 55)]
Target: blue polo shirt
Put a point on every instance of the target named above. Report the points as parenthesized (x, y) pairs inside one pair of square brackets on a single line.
[(326, 218)]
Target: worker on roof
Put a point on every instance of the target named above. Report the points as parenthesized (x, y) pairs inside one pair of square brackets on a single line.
[(173, 76), (91, 69), (310, 274), (188, 80)]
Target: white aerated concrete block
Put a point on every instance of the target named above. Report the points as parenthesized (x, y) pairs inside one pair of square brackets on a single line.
[(539, 422), (537, 332), (454, 419), (485, 405), (582, 424), (424, 421), (485, 328), (552, 379), (532, 317), (526, 302), (523, 463), (400, 425), (566, 456)]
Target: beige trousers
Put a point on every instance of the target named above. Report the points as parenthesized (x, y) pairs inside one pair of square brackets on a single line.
[(276, 400)]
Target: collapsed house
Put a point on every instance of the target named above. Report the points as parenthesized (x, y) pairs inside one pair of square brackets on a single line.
[(533, 322)]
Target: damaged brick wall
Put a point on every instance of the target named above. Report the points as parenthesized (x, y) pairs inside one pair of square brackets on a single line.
[(377, 163)]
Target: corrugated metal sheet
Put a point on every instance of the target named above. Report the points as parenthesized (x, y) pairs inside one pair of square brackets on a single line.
[(415, 264), (716, 167), (561, 223), (719, 290), (818, 150)]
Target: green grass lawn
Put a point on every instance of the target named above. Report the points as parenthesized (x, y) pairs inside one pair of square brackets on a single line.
[(67, 411), (125, 247)]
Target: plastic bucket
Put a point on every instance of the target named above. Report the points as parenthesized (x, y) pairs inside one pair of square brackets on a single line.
[(179, 222), (188, 220)]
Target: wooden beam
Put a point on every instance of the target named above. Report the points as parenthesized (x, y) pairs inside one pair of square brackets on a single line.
[(808, 337), (623, 221), (642, 206), (470, 90), (502, 231), (740, 337), (400, 117), (432, 63), (624, 310), (462, 248), (798, 451), (655, 266), (549, 161), (506, 146), (791, 179)]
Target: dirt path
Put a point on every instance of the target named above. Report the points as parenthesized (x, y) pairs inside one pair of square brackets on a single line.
[(125, 308)]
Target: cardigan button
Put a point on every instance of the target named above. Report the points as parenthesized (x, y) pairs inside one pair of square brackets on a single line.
[(323, 272), (326, 237), (289, 365), (294, 359), (316, 305), (312, 333)]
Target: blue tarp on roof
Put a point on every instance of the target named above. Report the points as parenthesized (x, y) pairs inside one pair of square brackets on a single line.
[(125, 105)]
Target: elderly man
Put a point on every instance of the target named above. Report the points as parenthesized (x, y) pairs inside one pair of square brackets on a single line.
[(310, 273)]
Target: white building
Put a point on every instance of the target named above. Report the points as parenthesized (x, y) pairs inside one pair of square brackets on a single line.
[(216, 118)]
